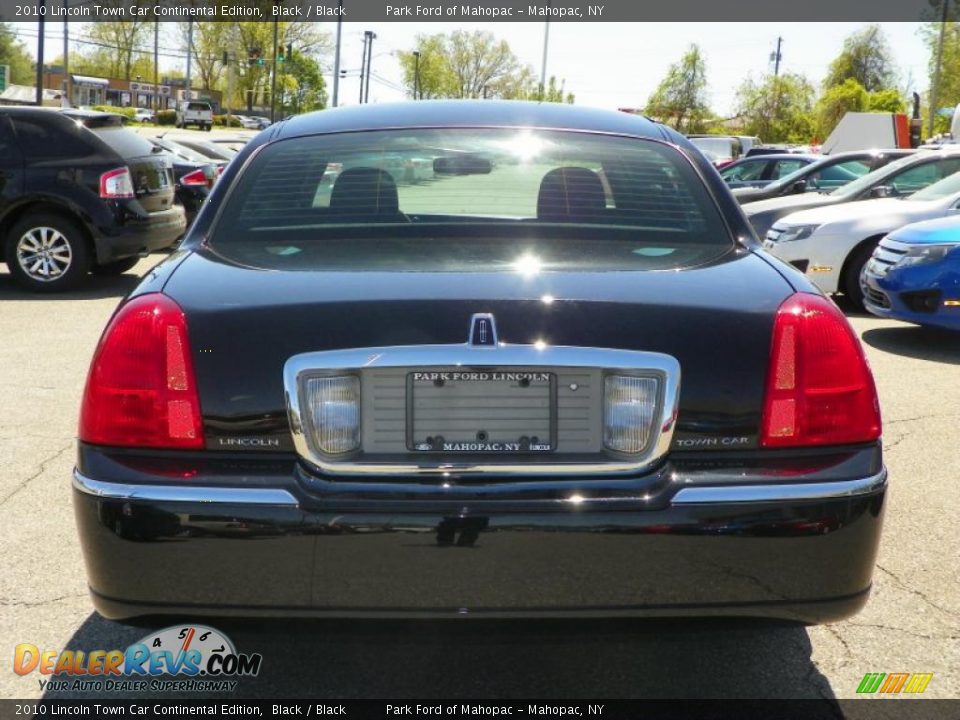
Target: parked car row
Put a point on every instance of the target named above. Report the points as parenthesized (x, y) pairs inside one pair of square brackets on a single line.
[(885, 240)]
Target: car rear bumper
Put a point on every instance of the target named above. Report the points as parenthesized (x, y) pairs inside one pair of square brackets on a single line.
[(138, 233), (796, 551)]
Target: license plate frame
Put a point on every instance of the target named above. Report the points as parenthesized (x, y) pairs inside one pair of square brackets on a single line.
[(526, 443)]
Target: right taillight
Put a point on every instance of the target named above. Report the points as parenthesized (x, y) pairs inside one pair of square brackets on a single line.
[(116, 184), (819, 390), (195, 179), (141, 390)]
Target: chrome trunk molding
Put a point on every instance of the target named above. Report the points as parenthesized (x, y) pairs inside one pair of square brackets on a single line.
[(625, 362)]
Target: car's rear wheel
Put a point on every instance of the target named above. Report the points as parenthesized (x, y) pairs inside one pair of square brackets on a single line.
[(851, 277), (47, 253), (118, 267)]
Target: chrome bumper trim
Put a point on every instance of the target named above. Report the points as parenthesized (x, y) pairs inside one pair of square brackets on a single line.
[(786, 493), (282, 498), (177, 493)]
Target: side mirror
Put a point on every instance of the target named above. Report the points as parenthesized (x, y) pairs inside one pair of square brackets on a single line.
[(882, 191), (800, 186)]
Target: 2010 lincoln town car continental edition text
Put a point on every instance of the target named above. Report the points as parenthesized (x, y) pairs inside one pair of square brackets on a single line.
[(477, 358)]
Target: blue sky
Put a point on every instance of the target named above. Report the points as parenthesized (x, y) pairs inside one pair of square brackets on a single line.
[(619, 64)]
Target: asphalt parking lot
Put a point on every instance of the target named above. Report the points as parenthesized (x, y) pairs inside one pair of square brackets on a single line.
[(911, 624)]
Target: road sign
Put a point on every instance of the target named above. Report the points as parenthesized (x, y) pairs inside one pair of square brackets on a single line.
[(4, 77)]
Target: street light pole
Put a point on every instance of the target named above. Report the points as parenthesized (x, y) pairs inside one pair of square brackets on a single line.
[(336, 59)]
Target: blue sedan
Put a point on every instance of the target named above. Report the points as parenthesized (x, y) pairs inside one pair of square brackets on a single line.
[(914, 274)]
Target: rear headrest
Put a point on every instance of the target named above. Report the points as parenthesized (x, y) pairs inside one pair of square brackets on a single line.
[(571, 194), (365, 191)]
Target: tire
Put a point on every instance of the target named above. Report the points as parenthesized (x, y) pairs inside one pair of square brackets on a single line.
[(851, 276), (66, 253), (117, 267), (208, 128)]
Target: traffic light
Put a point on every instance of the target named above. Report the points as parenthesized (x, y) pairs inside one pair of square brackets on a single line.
[(254, 57), (286, 53)]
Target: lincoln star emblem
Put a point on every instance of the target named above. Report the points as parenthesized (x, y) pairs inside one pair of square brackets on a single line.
[(483, 330)]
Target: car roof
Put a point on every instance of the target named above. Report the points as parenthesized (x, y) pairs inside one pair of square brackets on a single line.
[(468, 113)]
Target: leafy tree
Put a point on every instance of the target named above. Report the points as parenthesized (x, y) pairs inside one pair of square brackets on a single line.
[(865, 58), (14, 54), (465, 64), (435, 80), (120, 45), (681, 97), (210, 41), (101, 63), (303, 86), (948, 89), (777, 109), (890, 100), (837, 101)]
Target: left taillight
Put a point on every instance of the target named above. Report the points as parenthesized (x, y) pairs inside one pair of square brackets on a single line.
[(141, 389), (116, 184)]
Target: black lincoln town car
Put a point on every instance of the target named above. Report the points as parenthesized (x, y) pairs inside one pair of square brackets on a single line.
[(549, 372)]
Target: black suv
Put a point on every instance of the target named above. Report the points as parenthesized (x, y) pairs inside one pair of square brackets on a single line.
[(80, 193)]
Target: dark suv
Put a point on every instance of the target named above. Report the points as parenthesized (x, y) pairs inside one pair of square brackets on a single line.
[(80, 193)]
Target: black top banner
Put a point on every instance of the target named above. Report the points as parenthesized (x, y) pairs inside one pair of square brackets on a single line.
[(470, 12)]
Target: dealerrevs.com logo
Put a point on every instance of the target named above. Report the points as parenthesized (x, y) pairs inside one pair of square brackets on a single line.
[(201, 658)]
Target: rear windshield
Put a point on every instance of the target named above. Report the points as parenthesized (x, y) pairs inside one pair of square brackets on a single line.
[(126, 143), (198, 106), (426, 196)]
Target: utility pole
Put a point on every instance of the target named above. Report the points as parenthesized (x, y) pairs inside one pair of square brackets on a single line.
[(189, 56), (273, 79), (363, 63), (336, 59), (936, 71), (416, 74), (543, 64), (66, 56), (43, 12), (373, 36), (156, 64), (776, 57)]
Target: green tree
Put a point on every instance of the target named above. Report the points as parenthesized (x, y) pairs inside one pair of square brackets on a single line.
[(303, 86), (681, 97), (210, 41), (948, 89), (14, 54), (777, 109), (120, 46), (465, 64), (837, 101), (866, 58), (890, 100)]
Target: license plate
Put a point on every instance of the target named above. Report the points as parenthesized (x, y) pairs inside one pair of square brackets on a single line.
[(481, 411)]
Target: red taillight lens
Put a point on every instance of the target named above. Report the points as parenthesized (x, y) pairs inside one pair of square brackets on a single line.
[(116, 184), (141, 390), (195, 178), (819, 390)]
